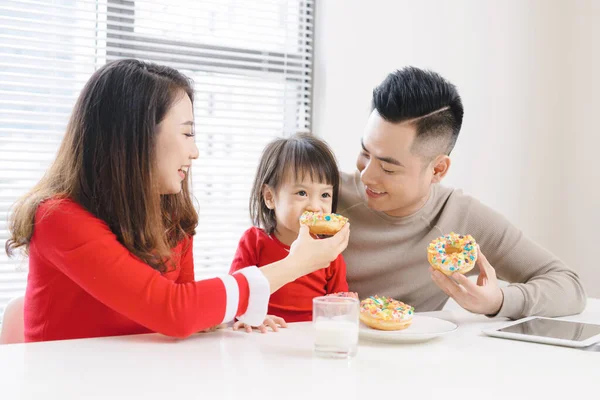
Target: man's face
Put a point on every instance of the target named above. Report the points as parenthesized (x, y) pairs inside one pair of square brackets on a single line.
[(396, 180)]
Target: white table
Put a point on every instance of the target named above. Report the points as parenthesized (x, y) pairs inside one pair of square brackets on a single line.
[(235, 365)]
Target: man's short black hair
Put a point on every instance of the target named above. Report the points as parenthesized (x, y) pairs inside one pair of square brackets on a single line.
[(428, 100)]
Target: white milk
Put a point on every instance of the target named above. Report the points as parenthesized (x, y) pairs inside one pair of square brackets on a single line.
[(332, 334)]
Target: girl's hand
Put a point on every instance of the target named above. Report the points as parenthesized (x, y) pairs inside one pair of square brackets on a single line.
[(271, 321)]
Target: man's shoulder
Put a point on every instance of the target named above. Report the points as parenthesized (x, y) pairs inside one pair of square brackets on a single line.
[(456, 198), (450, 196), (349, 195), (464, 211), (347, 177)]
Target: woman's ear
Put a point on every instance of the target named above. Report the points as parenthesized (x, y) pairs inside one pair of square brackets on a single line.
[(268, 197)]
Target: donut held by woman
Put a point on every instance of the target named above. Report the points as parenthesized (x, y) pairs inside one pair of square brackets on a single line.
[(323, 224)]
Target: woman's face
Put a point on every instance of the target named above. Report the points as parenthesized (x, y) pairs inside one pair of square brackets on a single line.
[(175, 146)]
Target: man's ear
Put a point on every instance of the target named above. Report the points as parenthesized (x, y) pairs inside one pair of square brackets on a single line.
[(440, 166)]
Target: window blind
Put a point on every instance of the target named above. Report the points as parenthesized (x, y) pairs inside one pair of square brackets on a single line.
[(251, 62)]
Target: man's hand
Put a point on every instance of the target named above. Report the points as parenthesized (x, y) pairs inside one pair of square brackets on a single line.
[(483, 297)]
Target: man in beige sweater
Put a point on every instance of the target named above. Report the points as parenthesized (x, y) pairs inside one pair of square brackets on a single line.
[(396, 206)]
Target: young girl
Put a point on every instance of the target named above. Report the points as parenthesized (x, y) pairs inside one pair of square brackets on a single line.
[(109, 228), (295, 174)]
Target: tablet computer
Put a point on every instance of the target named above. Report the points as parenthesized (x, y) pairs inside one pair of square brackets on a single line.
[(549, 331)]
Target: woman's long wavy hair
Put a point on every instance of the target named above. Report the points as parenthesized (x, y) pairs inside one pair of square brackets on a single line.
[(106, 163)]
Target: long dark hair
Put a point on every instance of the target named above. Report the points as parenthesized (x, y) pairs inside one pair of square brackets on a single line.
[(296, 157), (106, 162)]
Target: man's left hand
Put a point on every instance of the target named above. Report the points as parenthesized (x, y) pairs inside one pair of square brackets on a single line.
[(483, 297)]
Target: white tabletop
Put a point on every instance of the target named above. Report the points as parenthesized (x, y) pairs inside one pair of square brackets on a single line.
[(464, 364)]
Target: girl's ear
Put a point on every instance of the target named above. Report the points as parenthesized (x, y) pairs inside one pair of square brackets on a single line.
[(269, 197)]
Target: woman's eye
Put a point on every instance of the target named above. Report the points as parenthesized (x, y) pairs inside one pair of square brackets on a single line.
[(190, 134), (365, 155)]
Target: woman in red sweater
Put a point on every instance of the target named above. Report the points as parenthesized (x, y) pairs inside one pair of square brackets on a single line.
[(109, 228)]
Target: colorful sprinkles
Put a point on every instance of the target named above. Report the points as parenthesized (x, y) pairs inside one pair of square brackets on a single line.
[(353, 295), (386, 308), (311, 218), (453, 252)]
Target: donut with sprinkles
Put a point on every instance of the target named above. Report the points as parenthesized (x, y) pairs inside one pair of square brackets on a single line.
[(323, 224), (352, 295), (385, 314), (452, 253)]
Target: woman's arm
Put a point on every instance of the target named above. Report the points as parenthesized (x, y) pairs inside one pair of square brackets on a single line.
[(83, 248)]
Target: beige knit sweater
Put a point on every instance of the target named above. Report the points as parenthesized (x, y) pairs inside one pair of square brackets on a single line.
[(388, 255)]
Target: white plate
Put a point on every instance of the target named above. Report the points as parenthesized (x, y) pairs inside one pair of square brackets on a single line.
[(422, 329)]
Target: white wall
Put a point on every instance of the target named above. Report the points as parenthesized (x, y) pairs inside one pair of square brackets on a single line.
[(580, 145), (509, 61)]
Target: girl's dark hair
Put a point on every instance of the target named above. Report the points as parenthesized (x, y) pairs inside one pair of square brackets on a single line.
[(106, 162), (294, 157)]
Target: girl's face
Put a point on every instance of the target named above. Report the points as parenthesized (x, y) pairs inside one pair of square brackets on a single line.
[(175, 146), (292, 198)]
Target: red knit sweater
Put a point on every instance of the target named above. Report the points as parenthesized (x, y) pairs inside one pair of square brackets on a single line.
[(83, 283), (293, 301)]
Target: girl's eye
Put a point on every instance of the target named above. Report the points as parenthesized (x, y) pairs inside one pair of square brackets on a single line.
[(190, 134), (302, 193), (326, 195)]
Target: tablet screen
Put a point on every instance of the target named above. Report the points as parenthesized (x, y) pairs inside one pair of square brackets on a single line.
[(552, 328)]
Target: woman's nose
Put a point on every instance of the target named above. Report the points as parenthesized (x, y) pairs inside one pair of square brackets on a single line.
[(195, 152)]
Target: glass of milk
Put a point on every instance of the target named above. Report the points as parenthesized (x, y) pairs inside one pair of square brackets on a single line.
[(335, 322)]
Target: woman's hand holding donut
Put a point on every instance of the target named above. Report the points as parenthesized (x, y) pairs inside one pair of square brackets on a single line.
[(483, 297), (315, 254), (306, 255)]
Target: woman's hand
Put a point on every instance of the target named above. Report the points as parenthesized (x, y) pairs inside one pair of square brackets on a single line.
[(315, 254), (213, 328), (483, 297), (271, 321), (307, 255)]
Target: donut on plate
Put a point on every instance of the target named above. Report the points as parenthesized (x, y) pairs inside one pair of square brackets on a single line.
[(353, 295), (385, 313)]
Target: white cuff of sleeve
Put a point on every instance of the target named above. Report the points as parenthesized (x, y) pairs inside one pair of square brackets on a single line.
[(232, 293), (258, 302)]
